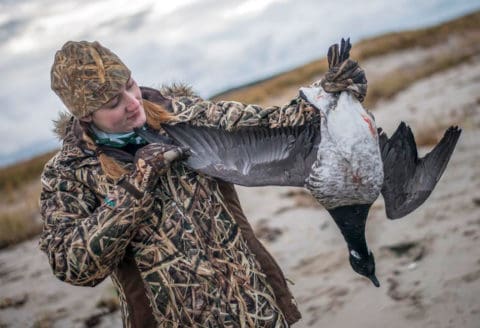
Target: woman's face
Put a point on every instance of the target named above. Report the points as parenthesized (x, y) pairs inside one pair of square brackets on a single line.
[(122, 113)]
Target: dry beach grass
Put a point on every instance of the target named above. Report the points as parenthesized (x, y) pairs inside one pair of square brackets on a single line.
[(428, 263)]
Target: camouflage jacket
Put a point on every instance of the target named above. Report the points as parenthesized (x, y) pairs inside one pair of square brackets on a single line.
[(183, 256)]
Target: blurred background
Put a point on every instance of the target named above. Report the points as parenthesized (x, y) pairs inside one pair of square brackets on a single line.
[(211, 45), (422, 60)]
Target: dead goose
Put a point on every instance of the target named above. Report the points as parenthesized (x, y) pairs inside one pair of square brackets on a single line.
[(345, 163)]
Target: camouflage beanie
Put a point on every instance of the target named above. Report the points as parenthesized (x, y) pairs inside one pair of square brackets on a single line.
[(86, 75)]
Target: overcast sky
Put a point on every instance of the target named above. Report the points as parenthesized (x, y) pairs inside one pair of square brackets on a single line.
[(212, 45)]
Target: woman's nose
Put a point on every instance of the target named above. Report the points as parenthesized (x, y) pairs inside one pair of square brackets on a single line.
[(132, 101)]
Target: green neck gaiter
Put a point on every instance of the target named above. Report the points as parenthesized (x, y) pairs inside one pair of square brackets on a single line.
[(117, 140)]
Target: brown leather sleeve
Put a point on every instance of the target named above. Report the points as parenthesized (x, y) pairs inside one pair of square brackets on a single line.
[(269, 266), (139, 310)]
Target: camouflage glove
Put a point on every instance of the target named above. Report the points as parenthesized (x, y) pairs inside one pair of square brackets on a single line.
[(344, 74), (151, 162)]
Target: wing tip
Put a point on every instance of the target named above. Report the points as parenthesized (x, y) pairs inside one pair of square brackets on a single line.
[(442, 153), (453, 132)]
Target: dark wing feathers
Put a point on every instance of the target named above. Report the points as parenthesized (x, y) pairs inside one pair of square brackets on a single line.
[(256, 156), (409, 180), (438, 158), (250, 156)]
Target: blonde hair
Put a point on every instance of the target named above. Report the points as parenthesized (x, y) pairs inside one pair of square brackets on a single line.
[(112, 169), (156, 114)]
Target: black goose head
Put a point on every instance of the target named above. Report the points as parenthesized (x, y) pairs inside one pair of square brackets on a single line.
[(351, 220), (364, 265)]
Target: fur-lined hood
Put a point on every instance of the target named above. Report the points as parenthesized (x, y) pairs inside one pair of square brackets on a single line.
[(63, 124)]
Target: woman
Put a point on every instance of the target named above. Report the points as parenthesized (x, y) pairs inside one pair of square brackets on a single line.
[(176, 243)]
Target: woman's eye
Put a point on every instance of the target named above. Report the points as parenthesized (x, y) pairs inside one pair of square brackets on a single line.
[(130, 84), (113, 103)]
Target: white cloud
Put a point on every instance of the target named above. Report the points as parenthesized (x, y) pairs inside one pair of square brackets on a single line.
[(249, 7)]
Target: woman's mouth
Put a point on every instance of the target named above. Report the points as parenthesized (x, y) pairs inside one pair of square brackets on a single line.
[(133, 116)]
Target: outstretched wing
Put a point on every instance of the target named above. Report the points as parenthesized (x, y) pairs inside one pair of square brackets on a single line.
[(409, 180), (250, 156)]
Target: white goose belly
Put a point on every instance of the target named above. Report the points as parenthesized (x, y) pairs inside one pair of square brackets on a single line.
[(349, 168)]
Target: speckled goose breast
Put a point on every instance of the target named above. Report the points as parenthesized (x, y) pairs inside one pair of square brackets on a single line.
[(348, 169)]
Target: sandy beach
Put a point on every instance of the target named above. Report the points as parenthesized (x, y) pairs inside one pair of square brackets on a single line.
[(428, 263)]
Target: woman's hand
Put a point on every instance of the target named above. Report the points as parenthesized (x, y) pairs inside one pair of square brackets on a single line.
[(151, 162)]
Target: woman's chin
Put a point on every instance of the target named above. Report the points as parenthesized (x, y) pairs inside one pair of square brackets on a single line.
[(139, 122)]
